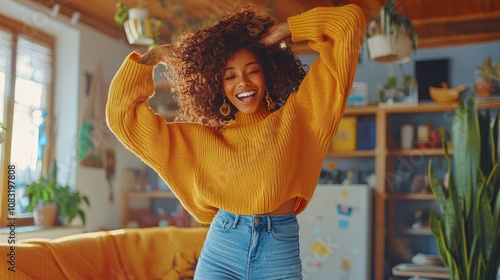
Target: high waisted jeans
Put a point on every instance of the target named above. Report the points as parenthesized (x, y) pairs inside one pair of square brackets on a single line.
[(244, 247)]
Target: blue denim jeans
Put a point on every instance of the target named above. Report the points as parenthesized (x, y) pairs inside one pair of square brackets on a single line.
[(242, 247)]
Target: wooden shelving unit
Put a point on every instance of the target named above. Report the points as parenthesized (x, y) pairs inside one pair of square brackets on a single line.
[(354, 154), (411, 196), (384, 156), (131, 214), (431, 152), (417, 231)]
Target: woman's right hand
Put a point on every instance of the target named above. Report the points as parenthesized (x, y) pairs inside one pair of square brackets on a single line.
[(155, 55), (276, 34)]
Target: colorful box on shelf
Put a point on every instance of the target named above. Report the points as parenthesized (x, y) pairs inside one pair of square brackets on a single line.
[(358, 95), (345, 139)]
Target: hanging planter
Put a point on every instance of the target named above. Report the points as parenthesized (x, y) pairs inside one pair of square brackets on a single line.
[(138, 13), (140, 29), (390, 48), (391, 37)]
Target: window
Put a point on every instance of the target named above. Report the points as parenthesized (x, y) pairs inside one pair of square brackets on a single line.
[(26, 78)]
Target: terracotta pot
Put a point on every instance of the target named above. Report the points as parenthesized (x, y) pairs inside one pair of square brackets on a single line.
[(45, 216), (484, 89)]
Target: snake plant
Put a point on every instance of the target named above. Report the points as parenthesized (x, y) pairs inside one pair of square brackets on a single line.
[(467, 231)]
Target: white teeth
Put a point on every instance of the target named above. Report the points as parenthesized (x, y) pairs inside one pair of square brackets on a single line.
[(245, 94)]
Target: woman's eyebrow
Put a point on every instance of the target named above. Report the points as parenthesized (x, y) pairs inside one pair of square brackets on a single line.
[(248, 64)]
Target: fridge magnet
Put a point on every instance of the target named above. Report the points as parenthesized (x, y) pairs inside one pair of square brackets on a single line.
[(343, 209), (345, 266), (343, 224), (320, 248), (317, 230)]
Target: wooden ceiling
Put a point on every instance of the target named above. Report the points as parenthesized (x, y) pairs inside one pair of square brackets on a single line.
[(439, 22)]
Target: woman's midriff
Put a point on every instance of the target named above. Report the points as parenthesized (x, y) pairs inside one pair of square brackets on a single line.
[(286, 208)]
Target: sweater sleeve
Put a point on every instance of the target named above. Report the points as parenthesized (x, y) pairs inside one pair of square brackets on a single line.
[(159, 144), (336, 34)]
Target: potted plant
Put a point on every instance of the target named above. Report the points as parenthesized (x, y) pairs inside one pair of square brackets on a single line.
[(467, 231), (486, 75), (391, 36), (140, 28), (49, 200), (390, 93)]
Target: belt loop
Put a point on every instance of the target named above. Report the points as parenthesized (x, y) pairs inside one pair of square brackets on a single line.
[(268, 223), (236, 218)]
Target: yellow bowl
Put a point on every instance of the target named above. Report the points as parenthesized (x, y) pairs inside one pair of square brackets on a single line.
[(445, 94)]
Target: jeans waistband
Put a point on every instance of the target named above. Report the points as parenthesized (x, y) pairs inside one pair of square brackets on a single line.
[(252, 220)]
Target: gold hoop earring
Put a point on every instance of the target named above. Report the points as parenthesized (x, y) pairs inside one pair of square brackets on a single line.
[(225, 109), (270, 103)]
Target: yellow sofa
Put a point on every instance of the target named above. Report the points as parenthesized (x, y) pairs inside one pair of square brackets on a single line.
[(148, 253)]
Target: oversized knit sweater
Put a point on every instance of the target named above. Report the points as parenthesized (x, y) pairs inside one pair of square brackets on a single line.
[(259, 160)]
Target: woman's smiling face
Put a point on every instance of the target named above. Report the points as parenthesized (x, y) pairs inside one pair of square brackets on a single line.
[(243, 82)]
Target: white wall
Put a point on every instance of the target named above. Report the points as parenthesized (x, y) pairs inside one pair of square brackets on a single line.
[(97, 48), (79, 50)]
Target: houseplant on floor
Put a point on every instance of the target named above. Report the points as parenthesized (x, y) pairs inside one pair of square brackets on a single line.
[(50, 200), (391, 36), (468, 230)]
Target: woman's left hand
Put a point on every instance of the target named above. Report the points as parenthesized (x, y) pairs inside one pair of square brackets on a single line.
[(276, 33)]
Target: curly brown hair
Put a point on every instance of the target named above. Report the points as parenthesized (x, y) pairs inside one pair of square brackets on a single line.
[(197, 63)]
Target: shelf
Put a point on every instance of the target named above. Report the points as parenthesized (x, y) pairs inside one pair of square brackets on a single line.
[(419, 152), (353, 154), (361, 110), (152, 194), (411, 196), (416, 231), (432, 107)]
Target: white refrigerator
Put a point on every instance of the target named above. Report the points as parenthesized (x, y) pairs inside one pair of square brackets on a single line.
[(335, 233)]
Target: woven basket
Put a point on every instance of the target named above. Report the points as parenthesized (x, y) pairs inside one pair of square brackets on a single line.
[(45, 216)]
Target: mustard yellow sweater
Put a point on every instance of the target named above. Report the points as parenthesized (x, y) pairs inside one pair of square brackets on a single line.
[(262, 159)]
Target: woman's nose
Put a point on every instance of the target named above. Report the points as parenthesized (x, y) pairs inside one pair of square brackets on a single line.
[(243, 81)]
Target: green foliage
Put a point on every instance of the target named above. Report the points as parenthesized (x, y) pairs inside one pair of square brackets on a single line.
[(389, 22), (68, 201), (490, 71), (47, 190), (468, 230), (121, 13), (392, 22)]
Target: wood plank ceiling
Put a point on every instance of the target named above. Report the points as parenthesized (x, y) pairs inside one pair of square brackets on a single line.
[(439, 23)]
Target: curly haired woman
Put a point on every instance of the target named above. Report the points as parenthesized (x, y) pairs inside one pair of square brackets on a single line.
[(252, 133)]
